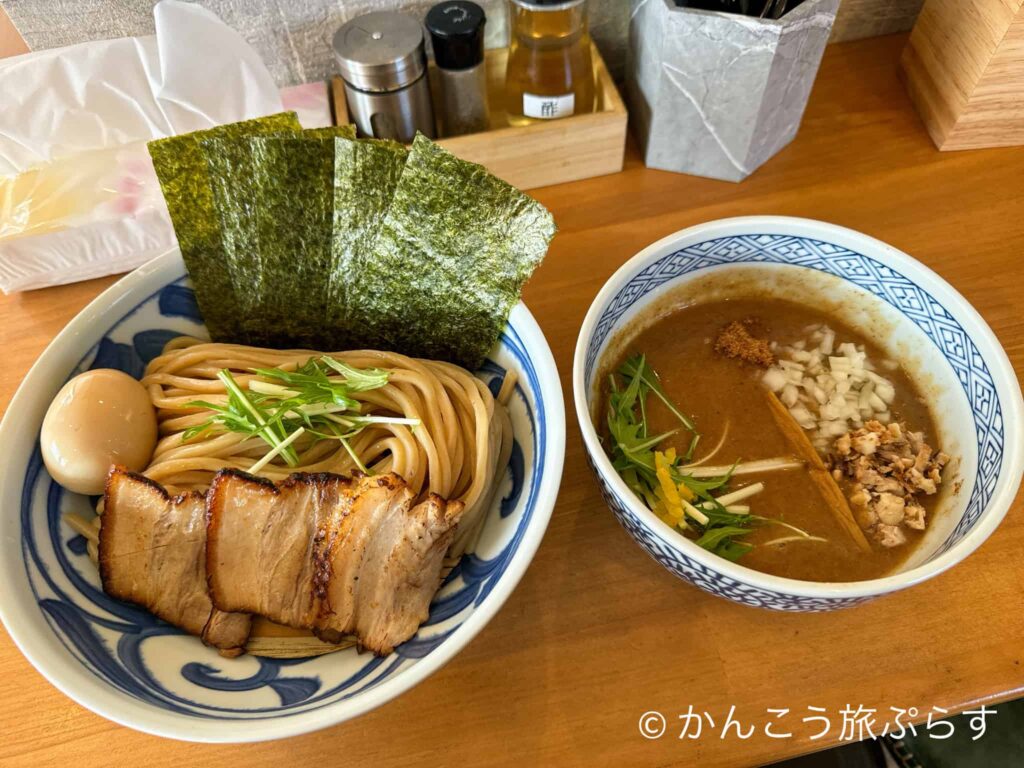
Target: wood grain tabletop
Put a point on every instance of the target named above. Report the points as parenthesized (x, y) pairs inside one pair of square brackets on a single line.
[(596, 633)]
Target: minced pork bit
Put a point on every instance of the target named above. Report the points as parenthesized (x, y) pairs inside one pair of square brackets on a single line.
[(888, 467)]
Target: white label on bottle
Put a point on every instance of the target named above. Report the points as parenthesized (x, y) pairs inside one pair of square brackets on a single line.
[(548, 107)]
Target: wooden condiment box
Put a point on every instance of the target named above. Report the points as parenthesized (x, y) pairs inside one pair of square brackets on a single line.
[(964, 68), (544, 153)]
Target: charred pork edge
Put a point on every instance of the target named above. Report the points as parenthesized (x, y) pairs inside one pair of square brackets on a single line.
[(452, 509)]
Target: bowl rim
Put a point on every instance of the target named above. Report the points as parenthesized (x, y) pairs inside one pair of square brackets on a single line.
[(1003, 376), (74, 681)]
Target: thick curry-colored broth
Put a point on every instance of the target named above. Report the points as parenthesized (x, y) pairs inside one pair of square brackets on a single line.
[(725, 395)]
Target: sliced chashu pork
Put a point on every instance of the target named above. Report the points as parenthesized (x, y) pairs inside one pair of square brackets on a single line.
[(401, 570), (152, 552), (323, 552), (267, 543)]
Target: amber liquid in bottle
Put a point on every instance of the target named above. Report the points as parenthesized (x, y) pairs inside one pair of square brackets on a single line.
[(550, 72)]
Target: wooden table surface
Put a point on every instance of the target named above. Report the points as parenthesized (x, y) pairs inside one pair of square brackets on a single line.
[(597, 633)]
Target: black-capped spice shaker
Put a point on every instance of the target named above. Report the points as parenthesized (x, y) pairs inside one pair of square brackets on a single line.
[(456, 30)]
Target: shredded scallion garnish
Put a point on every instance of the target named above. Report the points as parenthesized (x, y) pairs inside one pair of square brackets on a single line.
[(315, 401), (681, 499)]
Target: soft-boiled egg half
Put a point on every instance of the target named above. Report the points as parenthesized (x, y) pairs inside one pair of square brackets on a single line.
[(99, 418)]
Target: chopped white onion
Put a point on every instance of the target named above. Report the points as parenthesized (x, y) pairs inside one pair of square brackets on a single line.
[(790, 395), (827, 342), (830, 389), (775, 380)]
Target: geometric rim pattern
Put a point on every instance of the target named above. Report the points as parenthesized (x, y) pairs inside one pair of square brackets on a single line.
[(869, 274), (78, 612)]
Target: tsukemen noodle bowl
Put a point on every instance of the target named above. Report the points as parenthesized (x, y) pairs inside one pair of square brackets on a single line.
[(128, 665), (795, 416), (285, 471)]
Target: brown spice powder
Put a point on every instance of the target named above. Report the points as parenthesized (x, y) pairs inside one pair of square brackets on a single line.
[(736, 341)]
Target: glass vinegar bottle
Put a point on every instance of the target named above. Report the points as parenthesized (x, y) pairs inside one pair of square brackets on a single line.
[(550, 72)]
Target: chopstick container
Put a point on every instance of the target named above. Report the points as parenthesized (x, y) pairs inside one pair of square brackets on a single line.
[(717, 94)]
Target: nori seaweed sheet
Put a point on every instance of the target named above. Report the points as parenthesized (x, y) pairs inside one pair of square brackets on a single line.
[(316, 239), (181, 168), (294, 216), (366, 173), (331, 132), (449, 261), (230, 166)]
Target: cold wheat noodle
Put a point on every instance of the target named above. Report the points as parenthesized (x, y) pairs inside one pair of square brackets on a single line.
[(458, 449)]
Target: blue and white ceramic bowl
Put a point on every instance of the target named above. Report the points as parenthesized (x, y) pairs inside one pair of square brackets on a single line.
[(909, 310), (126, 665)]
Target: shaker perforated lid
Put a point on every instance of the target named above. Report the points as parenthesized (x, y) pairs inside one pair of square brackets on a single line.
[(380, 51), (456, 30)]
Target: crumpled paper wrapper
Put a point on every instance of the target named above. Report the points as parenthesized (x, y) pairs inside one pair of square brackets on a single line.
[(73, 129)]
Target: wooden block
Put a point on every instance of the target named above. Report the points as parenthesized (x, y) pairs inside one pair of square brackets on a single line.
[(541, 154), (867, 18), (964, 69)]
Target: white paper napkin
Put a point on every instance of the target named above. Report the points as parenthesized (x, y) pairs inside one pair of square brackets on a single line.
[(81, 115)]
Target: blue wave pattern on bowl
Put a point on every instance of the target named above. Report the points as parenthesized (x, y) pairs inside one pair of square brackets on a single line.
[(111, 638), (869, 274)]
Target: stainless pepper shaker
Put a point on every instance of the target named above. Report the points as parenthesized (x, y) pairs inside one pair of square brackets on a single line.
[(456, 30), (382, 61)]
